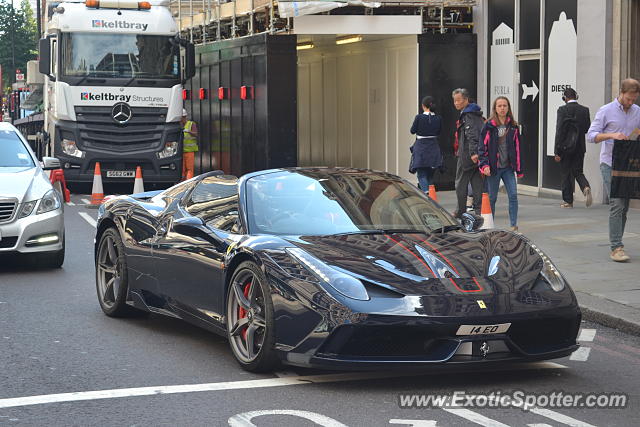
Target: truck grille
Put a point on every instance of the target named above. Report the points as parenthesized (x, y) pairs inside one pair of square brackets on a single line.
[(7, 208), (99, 130)]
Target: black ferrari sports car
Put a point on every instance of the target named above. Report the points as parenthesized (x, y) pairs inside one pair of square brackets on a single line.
[(334, 268)]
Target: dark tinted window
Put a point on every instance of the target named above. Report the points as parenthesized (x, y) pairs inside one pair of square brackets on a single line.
[(321, 203), (215, 201), (13, 153)]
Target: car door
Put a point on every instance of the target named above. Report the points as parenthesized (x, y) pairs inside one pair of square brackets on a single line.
[(192, 244)]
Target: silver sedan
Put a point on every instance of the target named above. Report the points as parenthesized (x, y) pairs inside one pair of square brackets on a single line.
[(31, 210)]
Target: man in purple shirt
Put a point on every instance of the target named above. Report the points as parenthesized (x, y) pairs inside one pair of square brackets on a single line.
[(615, 121)]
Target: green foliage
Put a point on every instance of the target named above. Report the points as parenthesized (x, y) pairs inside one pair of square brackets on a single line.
[(18, 39)]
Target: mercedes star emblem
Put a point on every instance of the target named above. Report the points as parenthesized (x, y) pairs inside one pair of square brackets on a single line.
[(121, 113)]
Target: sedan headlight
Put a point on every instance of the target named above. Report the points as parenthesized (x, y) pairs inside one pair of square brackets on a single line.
[(70, 148), (549, 271), (50, 202), (345, 284), (170, 149), (27, 208)]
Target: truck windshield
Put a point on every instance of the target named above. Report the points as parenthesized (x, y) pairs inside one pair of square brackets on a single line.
[(119, 56)]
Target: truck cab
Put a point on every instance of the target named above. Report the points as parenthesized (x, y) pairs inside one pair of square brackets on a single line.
[(114, 73)]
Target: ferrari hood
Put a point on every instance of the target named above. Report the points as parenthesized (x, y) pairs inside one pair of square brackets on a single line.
[(492, 262)]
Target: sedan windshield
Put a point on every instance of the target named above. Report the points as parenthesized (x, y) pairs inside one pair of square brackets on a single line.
[(119, 56), (13, 153), (317, 202)]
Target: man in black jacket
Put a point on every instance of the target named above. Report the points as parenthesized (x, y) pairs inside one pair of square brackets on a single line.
[(467, 138), (572, 158)]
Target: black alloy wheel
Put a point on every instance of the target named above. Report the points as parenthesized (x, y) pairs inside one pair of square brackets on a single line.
[(250, 325), (111, 275)]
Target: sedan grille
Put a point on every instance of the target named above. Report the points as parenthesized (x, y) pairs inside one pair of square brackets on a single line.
[(7, 209)]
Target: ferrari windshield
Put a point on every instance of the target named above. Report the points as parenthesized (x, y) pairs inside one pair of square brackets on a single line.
[(115, 55), (318, 202)]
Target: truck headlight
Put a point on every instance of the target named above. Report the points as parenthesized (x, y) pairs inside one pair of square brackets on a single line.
[(50, 202), (549, 271), (69, 147), (27, 208), (170, 149), (347, 285)]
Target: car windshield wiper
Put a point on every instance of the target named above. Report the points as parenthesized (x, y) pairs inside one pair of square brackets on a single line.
[(449, 227), (380, 231)]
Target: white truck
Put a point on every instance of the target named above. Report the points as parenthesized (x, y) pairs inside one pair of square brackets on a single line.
[(113, 89)]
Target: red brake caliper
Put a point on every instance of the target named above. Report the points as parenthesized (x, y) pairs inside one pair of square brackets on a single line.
[(242, 313)]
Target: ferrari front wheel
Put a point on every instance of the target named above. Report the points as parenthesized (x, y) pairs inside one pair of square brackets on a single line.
[(250, 325)]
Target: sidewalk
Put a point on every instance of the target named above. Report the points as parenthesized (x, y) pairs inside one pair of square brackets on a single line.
[(577, 240)]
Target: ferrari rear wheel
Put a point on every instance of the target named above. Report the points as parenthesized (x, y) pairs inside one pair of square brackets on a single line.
[(250, 325), (111, 275)]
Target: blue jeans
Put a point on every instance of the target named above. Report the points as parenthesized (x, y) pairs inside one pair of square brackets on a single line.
[(425, 178), (618, 209), (508, 177)]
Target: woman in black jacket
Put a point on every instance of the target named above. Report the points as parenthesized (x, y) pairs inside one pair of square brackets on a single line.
[(425, 152)]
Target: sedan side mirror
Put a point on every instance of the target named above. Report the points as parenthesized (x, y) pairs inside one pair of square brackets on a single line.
[(50, 163), (471, 222)]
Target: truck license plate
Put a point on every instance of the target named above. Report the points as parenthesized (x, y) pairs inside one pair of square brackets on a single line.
[(121, 174), (483, 329)]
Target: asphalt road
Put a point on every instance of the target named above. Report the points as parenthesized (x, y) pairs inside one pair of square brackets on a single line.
[(63, 363)]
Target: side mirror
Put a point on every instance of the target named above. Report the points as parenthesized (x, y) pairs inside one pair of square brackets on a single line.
[(50, 163), (189, 58), (44, 48), (194, 227), (471, 222)]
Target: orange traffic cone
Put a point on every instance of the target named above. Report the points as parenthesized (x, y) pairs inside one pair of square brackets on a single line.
[(138, 185), (485, 211), (432, 193), (97, 193)]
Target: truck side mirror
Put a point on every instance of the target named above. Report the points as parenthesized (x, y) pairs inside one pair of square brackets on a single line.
[(189, 59), (44, 47)]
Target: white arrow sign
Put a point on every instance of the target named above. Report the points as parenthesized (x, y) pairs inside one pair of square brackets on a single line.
[(533, 91)]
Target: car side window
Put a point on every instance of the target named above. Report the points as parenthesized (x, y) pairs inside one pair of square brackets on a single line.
[(215, 201)]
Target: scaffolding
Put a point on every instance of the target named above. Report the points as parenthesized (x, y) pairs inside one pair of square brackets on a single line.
[(203, 21)]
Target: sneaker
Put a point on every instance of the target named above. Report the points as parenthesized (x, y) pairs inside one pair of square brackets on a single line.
[(514, 228), (567, 205), (618, 255), (587, 194)]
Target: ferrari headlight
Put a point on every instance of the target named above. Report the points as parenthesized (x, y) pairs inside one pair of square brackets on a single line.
[(50, 202), (347, 285), (549, 271), (27, 208), (170, 149)]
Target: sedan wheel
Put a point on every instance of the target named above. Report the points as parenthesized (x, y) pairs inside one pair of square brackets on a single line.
[(250, 319), (111, 275)]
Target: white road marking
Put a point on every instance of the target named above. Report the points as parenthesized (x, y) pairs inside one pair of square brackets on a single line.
[(539, 425), (88, 218), (230, 385), (70, 204), (581, 354), (564, 419), (85, 201), (474, 417), (244, 419), (587, 335), (414, 423)]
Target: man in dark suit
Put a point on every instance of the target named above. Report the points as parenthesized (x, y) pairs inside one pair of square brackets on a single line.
[(572, 161)]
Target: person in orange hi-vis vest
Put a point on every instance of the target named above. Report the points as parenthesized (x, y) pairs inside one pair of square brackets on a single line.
[(189, 145)]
